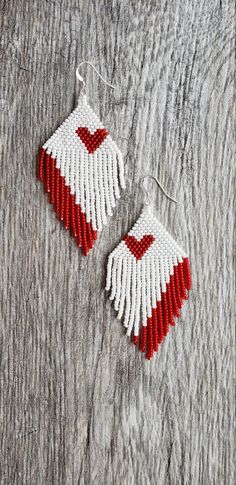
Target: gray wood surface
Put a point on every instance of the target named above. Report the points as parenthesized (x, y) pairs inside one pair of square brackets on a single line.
[(79, 405)]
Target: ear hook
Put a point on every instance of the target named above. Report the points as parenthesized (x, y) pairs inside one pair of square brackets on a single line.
[(79, 77), (147, 195)]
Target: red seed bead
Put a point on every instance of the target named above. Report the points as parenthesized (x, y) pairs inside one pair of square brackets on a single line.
[(169, 305), (62, 198), (160, 322), (149, 352), (83, 230), (78, 225), (173, 297), (154, 329), (89, 235), (187, 274), (143, 340), (52, 180), (47, 181), (67, 207), (57, 191), (41, 164), (165, 314), (177, 288), (73, 216), (135, 339)]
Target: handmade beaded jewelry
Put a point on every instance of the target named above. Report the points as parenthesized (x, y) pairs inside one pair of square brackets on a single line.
[(82, 169), (148, 276)]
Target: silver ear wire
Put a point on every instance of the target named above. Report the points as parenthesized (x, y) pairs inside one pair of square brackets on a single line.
[(80, 78), (147, 200)]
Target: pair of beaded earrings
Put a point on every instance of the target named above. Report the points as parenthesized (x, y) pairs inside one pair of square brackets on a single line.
[(148, 274)]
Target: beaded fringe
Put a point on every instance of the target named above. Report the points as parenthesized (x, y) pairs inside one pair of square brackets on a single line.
[(82, 170), (148, 276), (82, 194)]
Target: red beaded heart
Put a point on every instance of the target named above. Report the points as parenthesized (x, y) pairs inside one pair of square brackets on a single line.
[(92, 141), (139, 248)]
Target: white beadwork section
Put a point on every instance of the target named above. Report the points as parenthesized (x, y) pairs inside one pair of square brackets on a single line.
[(95, 178), (136, 285)]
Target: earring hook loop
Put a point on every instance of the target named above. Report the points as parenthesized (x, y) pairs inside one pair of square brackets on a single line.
[(147, 194), (81, 79)]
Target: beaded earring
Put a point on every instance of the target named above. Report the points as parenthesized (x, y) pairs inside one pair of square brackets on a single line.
[(82, 169), (148, 276)]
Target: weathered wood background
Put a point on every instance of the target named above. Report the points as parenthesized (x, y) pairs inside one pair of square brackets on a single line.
[(79, 405)]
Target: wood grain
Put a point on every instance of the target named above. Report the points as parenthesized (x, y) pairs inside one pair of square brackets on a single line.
[(78, 404)]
